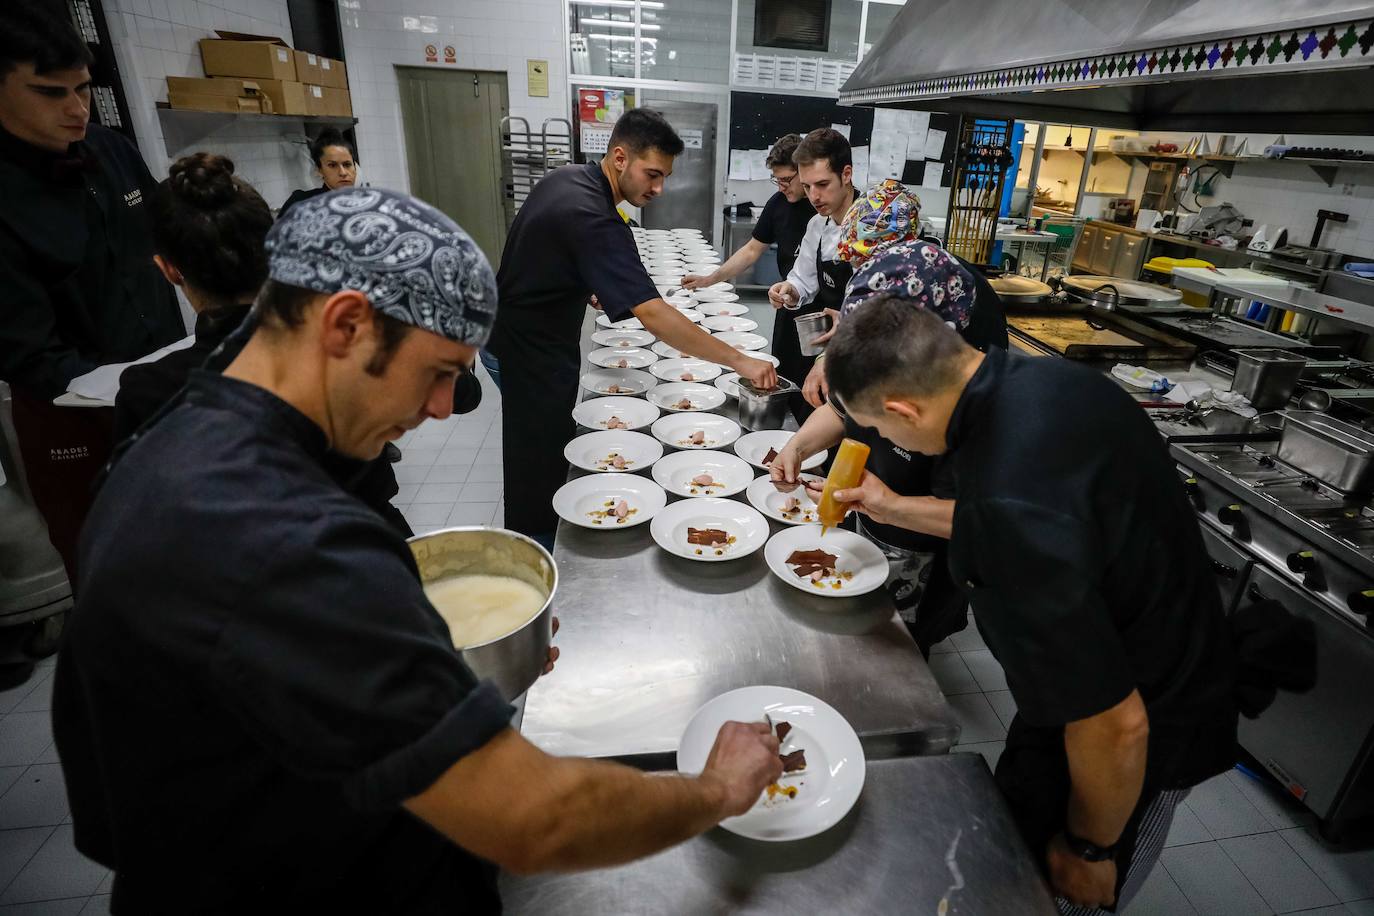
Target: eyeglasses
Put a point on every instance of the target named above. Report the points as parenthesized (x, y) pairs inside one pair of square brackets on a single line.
[(785, 182)]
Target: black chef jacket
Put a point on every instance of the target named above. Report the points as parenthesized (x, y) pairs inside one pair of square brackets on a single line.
[(76, 263), (567, 242), (254, 680), (784, 223), (299, 196)]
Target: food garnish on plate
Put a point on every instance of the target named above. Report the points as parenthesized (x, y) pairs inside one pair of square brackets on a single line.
[(614, 460), (716, 539), (793, 763), (698, 437), (616, 423), (616, 511), (684, 404), (703, 482), (819, 567)]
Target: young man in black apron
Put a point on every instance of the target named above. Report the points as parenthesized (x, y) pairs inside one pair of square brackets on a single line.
[(568, 242), (818, 279)]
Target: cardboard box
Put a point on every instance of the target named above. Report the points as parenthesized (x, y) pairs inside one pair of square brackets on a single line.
[(288, 97), (308, 68), (228, 103), (250, 56), (337, 102), (314, 100), (217, 94), (333, 73)]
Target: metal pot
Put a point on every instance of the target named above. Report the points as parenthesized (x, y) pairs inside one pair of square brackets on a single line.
[(1020, 291), (514, 661), (1113, 292), (809, 327), (760, 409)]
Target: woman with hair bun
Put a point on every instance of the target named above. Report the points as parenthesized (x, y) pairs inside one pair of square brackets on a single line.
[(336, 162)]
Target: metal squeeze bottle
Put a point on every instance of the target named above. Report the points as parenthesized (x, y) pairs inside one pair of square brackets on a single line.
[(844, 474)]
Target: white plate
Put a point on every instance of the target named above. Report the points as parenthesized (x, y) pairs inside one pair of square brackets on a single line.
[(629, 324), (591, 451), (754, 446), (627, 338), (762, 495), (675, 429), (669, 279), (855, 554), (721, 287), (703, 397), (728, 383), (711, 308), (672, 369), (593, 413), (582, 502), (744, 340), (708, 294), (669, 289), (753, 354), (826, 789), (670, 528), (682, 301), (727, 322), (691, 315), (636, 381), (675, 472), (611, 357)]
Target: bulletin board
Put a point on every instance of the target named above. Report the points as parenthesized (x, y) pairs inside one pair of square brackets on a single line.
[(758, 119)]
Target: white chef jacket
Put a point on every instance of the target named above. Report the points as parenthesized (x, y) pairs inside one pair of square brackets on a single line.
[(821, 231)]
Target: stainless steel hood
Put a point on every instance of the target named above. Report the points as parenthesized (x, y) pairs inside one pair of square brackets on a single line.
[(1282, 66)]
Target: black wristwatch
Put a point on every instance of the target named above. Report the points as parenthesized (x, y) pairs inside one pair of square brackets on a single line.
[(1087, 850)]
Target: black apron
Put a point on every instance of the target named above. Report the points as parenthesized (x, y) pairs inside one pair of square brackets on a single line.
[(832, 279)]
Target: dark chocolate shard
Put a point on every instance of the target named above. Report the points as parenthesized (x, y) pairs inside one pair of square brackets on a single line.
[(782, 730), (707, 537), (814, 558), (768, 458), (793, 762)]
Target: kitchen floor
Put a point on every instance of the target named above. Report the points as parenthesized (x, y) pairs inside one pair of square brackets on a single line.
[(1237, 848)]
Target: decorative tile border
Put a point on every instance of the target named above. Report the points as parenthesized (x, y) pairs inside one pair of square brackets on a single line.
[(1348, 44)]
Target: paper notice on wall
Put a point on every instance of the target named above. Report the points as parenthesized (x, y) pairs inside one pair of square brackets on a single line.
[(920, 122), (935, 144), (916, 146), (758, 165), (887, 119), (739, 165), (886, 155), (934, 175), (841, 129), (596, 137), (691, 139), (859, 156)]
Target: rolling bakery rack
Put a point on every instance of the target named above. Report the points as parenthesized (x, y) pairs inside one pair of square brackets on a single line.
[(527, 156), (982, 159)]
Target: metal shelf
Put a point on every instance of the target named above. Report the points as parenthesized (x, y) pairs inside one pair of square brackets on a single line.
[(183, 127)]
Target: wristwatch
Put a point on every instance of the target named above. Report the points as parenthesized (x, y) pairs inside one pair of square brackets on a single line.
[(1087, 850)]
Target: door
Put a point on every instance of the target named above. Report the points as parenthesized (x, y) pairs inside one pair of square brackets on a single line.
[(1128, 257), (1087, 245), (688, 198), (1104, 254), (452, 122)]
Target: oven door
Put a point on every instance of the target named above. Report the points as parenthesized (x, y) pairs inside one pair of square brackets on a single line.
[(1230, 566), (1317, 744)]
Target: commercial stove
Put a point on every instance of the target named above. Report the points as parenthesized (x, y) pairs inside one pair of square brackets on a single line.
[(1274, 532)]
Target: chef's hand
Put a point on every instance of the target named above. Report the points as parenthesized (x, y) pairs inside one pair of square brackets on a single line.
[(785, 470), (872, 497), (595, 303), (834, 326), (693, 281), (816, 390), (783, 294), (758, 372), (1090, 884), (553, 651), (743, 761)]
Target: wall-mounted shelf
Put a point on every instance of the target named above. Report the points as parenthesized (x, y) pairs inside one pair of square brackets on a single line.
[(182, 127), (1325, 168)]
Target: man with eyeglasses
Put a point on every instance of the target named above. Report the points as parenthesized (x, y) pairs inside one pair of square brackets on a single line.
[(783, 221)]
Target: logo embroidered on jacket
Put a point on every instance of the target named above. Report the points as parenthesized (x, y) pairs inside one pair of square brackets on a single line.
[(133, 198), (68, 454)]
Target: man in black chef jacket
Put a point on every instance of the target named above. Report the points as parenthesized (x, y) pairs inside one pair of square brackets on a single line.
[(782, 222), (80, 287), (1087, 577), (256, 707), (567, 243), (818, 279)]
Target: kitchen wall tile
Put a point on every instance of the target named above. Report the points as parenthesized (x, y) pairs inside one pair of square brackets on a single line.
[(1211, 881), (1277, 871), (1349, 873)]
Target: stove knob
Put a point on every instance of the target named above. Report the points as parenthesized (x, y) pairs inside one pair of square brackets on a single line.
[(1362, 602), (1229, 515), (1302, 562)]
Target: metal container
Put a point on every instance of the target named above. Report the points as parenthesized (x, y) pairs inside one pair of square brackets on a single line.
[(1337, 453), (1021, 292), (809, 327), (764, 409), (514, 661), (1267, 376)]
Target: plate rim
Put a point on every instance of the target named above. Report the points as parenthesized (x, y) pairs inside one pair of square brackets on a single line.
[(648, 351), (597, 432), (601, 478), (821, 593), (749, 495), (814, 461), (631, 399), (696, 448), (699, 451), (694, 502), (694, 410)]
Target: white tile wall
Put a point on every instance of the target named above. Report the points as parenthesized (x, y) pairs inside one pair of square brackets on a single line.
[(380, 35), (155, 39)]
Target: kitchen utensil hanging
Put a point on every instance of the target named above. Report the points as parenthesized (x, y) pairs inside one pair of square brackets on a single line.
[(982, 160)]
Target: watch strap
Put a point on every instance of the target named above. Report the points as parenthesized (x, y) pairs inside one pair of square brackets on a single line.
[(1087, 850)]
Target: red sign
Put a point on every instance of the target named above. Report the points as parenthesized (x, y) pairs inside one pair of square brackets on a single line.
[(450, 54), (431, 54)]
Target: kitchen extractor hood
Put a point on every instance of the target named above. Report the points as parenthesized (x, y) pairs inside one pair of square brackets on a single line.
[(1281, 66)]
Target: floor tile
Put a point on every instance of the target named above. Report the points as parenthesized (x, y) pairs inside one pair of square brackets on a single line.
[(1339, 909), (49, 755), (454, 456), (1211, 881), (976, 719), (1278, 872), (1279, 808), (426, 513), (68, 907), (8, 777), (37, 799), (106, 884), (1186, 828), (991, 750), (23, 736), (56, 870), (40, 697), (1361, 907), (485, 473), (1002, 704), (448, 473), (405, 492), (480, 491), (98, 905), (437, 493), (1159, 896), (419, 457), (1224, 810), (943, 648), (472, 514), (411, 473), (986, 669), (952, 674), (12, 697), (1350, 874), (17, 847)]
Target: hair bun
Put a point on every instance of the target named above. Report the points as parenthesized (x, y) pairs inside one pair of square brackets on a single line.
[(204, 180)]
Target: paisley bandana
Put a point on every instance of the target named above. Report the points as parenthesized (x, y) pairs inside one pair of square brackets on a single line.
[(887, 215), (411, 261), (918, 272)]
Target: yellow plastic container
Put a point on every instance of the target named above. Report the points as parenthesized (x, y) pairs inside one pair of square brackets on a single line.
[(845, 473)]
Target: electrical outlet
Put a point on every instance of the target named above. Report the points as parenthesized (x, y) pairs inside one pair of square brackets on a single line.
[(1348, 189)]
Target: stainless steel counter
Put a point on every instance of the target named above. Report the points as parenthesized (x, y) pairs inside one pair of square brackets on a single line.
[(925, 829)]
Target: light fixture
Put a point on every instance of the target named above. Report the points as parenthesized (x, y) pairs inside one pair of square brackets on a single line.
[(608, 36), (644, 4), (617, 24)]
